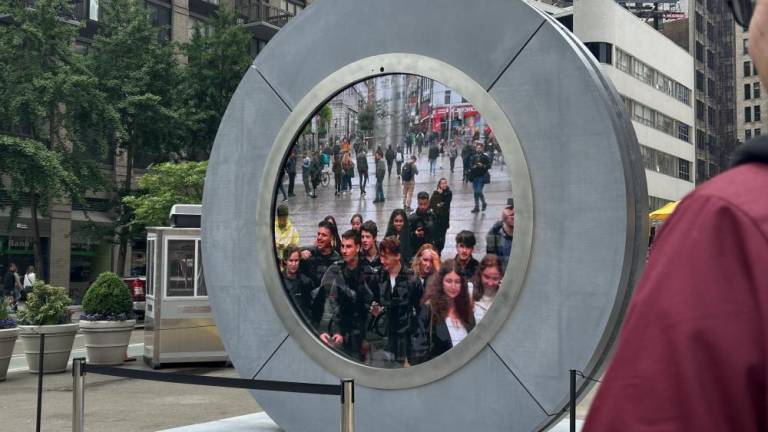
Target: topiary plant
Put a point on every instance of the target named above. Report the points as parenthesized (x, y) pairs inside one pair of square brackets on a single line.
[(108, 299), (6, 321), (46, 305)]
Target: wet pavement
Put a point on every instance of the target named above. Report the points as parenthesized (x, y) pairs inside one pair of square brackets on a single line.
[(306, 212)]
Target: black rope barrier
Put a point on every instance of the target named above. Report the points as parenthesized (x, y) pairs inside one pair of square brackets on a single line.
[(251, 384)]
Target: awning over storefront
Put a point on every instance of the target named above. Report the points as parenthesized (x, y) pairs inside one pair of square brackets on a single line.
[(663, 213)]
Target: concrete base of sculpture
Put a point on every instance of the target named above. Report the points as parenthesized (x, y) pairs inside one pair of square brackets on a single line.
[(260, 422)]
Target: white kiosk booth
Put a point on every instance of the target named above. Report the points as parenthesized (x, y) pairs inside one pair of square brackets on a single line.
[(178, 325)]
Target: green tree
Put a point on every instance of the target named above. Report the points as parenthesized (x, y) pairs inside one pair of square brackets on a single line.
[(35, 175), (217, 58), (52, 116), (140, 75), (162, 186)]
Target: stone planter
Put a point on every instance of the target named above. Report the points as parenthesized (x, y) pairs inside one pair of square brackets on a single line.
[(58, 346), (106, 342), (7, 341)]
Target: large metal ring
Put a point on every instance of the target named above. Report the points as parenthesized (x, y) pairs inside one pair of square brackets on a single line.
[(580, 224)]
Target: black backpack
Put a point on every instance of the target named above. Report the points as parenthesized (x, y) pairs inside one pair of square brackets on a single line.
[(407, 172)]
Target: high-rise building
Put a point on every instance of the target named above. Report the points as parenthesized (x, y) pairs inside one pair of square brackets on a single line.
[(654, 77), (712, 46), (750, 102)]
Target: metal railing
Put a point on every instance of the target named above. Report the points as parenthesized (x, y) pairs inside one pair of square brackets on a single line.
[(346, 389), (256, 11)]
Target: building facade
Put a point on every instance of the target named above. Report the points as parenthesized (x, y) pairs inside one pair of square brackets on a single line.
[(750, 103), (654, 77)]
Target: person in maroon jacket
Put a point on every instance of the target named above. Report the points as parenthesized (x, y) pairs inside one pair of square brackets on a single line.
[(693, 353)]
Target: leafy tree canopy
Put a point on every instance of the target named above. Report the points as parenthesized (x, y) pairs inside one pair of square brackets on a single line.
[(217, 58), (164, 185)]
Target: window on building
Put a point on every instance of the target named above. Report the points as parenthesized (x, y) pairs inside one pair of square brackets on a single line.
[(699, 52), (747, 135), (711, 60), (683, 169), (683, 131), (710, 31), (700, 109), (701, 137), (747, 114), (623, 61), (747, 91), (758, 132), (699, 22), (699, 80), (756, 113), (160, 16), (747, 68), (756, 90), (701, 170), (711, 90), (745, 46), (447, 97), (711, 114), (603, 51)]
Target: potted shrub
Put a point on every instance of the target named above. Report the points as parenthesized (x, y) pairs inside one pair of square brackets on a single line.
[(8, 334), (107, 320), (47, 314)]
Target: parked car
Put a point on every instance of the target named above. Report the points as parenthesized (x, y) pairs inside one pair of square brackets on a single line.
[(136, 285)]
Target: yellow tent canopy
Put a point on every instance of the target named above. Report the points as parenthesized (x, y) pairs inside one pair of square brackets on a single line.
[(663, 213)]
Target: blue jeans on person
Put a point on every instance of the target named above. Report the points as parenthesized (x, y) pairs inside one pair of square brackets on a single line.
[(432, 163), (477, 186), (379, 191)]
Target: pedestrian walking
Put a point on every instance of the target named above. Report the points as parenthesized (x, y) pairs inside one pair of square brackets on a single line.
[(316, 172), (290, 169), (29, 280), (432, 155), (399, 158), (306, 177), (12, 285), (337, 172), (280, 186), (390, 157), (381, 171), (440, 204), (466, 152), (408, 175), (348, 171), (453, 153), (479, 175), (362, 169)]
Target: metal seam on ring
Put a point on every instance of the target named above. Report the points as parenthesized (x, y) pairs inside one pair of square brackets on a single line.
[(514, 57), (279, 96), (521, 383), (266, 362)]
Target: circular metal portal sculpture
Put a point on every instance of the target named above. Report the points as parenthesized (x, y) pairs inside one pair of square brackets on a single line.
[(579, 192)]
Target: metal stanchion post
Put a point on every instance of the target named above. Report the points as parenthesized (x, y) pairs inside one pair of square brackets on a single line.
[(78, 395), (573, 401), (40, 371), (347, 405)]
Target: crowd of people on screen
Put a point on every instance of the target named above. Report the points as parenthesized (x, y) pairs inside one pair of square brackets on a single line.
[(398, 301)]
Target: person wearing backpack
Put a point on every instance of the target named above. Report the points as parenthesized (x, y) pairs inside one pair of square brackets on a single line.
[(399, 158), (408, 175)]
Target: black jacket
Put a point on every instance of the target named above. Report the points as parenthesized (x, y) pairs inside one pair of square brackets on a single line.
[(345, 298), (425, 219), (401, 305), (299, 290), (469, 270), (434, 152), (430, 337), (479, 164), (316, 265)]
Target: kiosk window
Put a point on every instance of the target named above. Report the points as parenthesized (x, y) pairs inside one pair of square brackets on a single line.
[(181, 268), (202, 290), (150, 268)]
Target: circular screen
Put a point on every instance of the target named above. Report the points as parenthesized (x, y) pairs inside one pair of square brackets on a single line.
[(394, 220)]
